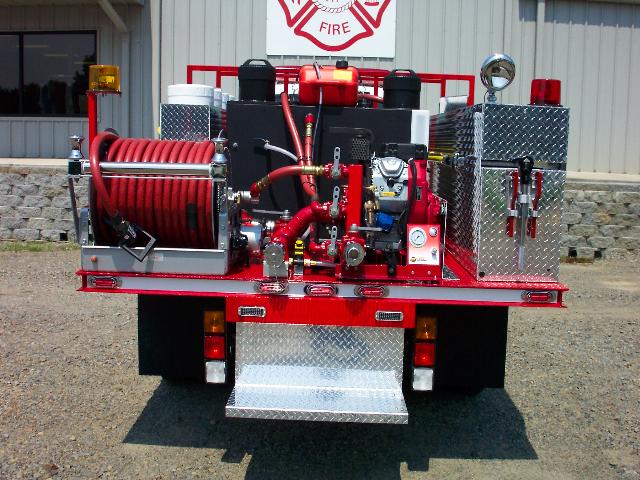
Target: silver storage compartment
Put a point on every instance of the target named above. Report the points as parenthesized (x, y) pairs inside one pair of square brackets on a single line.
[(499, 133), (478, 183), (477, 219)]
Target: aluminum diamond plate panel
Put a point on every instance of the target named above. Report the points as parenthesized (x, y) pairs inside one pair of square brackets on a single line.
[(460, 186), (511, 131), (476, 235), (505, 132), (302, 372), (188, 122), (498, 253)]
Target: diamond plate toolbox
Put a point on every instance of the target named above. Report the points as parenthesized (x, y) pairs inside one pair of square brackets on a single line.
[(478, 201), (188, 122), (318, 373), (499, 133)]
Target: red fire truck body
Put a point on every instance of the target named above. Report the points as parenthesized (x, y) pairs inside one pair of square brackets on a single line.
[(322, 274)]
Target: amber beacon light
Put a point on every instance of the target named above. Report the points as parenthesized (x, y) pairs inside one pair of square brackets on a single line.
[(104, 78)]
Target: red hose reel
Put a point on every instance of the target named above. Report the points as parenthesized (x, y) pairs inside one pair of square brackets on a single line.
[(178, 212)]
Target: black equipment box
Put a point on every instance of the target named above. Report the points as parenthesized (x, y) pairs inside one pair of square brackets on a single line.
[(351, 129)]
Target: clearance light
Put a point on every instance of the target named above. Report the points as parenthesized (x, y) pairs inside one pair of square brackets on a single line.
[(425, 355), (389, 316), (371, 291), (252, 312), (213, 321), (271, 288), (538, 297), (426, 328), (320, 290), (103, 282), (214, 347), (545, 91)]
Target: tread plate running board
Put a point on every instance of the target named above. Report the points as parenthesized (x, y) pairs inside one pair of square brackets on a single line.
[(334, 374), (317, 394)]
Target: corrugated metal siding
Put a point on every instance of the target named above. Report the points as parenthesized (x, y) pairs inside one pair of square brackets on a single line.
[(594, 48), (47, 136)]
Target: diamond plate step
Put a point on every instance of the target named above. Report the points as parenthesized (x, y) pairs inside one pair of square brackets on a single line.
[(317, 394), (303, 372)]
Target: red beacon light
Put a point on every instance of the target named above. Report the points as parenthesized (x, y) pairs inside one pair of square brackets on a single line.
[(545, 91)]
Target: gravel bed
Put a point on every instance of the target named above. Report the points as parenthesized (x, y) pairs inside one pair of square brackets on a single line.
[(73, 406)]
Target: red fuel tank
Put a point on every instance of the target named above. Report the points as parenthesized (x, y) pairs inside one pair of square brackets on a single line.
[(339, 85)]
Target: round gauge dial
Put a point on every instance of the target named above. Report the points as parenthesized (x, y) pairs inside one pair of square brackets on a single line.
[(417, 237)]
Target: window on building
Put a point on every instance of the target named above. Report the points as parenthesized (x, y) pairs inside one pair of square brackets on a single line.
[(45, 73)]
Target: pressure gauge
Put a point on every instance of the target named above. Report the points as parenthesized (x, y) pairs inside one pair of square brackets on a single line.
[(417, 237)]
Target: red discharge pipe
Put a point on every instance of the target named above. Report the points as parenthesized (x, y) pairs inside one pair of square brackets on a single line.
[(177, 211), (307, 184), (315, 212), (277, 174), (309, 181), (288, 116)]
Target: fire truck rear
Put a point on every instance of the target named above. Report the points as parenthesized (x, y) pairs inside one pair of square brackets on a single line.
[(323, 244)]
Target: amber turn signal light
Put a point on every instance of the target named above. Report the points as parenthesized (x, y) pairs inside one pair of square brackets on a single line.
[(426, 328), (214, 321)]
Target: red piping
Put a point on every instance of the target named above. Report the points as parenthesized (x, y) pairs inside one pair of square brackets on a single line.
[(307, 184), (275, 175)]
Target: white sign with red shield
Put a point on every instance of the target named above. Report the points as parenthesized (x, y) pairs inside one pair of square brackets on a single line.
[(358, 28)]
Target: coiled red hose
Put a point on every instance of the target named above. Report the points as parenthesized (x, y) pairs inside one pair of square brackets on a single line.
[(177, 211)]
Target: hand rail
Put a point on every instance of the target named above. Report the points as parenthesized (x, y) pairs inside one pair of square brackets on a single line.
[(369, 76)]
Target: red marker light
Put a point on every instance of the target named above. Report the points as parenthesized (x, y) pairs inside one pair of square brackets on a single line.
[(214, 347), (371, 291), (320, 290), (425, 355), (537, 297), (271, 288), (545, 91), (103, 282)]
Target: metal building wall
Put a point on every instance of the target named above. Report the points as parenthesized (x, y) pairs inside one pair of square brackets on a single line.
[(594, 48), (46, 137)]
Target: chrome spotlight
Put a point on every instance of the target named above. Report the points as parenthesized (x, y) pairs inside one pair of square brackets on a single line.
[(497, 72)]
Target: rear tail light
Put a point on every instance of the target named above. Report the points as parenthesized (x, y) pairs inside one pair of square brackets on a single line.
[(425, 355), (103, 282), (213, 321), (426, 328), (214, 347), (371, 291), (545, 91), (538, 297), (320, 290), (271, 288)]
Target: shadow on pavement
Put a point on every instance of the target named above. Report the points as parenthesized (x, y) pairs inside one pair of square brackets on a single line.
[(486, 426)]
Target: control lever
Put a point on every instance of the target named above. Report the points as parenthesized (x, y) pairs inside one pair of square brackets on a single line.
[(335, 169), (332, 250), (525, 203), (334, 210)]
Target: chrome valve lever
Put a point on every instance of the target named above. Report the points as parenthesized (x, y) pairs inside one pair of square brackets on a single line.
[(334, 210), (335, 168), (332, 250)]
